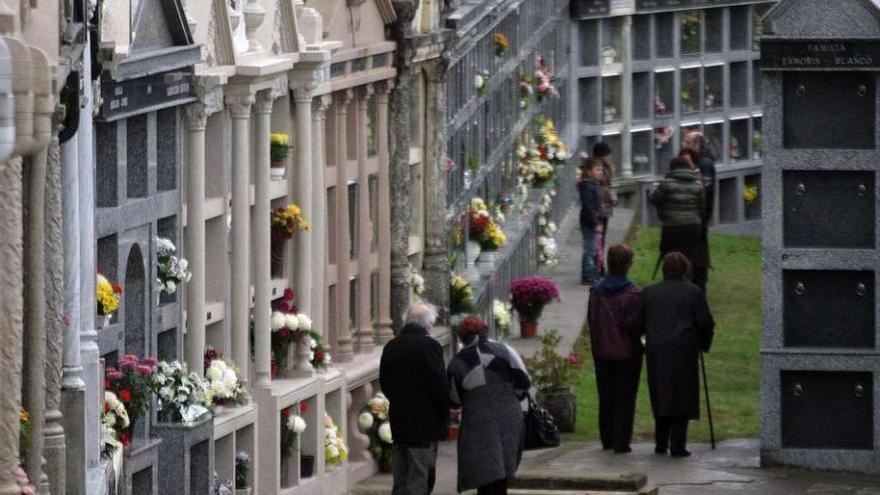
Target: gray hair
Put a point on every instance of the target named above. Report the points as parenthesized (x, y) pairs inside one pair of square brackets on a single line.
[(421, 314)]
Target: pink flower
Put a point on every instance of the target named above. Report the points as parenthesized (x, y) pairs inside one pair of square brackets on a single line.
[(114, 375), (144, 370), (573, 359), (149, 361)]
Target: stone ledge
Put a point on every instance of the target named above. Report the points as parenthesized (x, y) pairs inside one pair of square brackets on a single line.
[(565, 479)]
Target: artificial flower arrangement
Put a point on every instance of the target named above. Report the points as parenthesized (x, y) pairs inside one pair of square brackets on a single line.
[(493, 238), (480, 82), (173, 271), (335, 451), (373, 421), (461, 295), (292, 425), (132, 383), (279, 148), (501, 44), (526, 92), (550, 145), (544, 80), (750, 193), (549, 370), (483, 228), (223, 385), (107, 296), (183, 395), (501, 315), (288, 326), (23, 482), (242, 467), (532, 168), (548, 251), (114, 424), (416, 283), (287, 221), (530, 294)]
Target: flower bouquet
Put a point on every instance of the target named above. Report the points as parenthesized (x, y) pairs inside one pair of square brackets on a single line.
[(23, 482), (529, 295), (373, 421), (242, 467), (335, 451), (287, 221), (501, 315), (461, 296), (480, 82), (526, 91), (223, 386), (107, 298), (544, 80), (279, 148), (292, 425), (290, 327), (501, 44), (173, 271), (114, 423), (183, 396), (132, 383), (550, 145), (416, 283)]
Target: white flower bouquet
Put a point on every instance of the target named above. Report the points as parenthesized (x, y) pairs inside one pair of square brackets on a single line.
[(292, 426), (182, 396), (417, 283), (374, 422), (335, 451), (173, 271), (223, 385), (501, 313), (114, 421)]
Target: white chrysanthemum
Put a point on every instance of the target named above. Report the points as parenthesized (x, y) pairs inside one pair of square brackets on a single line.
[(305, 323), (365, 421), (479, 82), (279, 319), (296, 424), (219, 389), (214, 373), (166, 393), (170, 287), (230, 380), (291, 322), (385, 432), (332, 451)]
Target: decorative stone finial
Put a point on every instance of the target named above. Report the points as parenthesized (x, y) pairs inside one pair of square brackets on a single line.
[(254, 13)]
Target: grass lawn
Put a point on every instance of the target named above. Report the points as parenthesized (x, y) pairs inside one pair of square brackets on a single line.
[(732, 365)]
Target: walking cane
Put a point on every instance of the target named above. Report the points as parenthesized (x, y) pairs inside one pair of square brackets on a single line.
[(708, 403)]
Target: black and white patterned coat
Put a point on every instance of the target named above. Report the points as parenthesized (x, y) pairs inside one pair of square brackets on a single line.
[(487, 379)]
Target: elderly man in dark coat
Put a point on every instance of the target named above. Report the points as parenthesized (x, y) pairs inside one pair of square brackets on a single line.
[(488, 379), (412, 375), (674, 316)]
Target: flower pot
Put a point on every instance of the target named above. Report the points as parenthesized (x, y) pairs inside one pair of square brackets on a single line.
[(303, 350), (385, 465), (607, 59), (473, 251), (487, 258), (452, 432), (277, 170), (103, 321), (306, 466), (561, 404), (528, 329)]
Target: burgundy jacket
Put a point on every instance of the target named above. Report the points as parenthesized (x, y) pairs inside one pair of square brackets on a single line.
[(613, 305)]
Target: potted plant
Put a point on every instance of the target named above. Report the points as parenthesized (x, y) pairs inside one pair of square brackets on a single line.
[(609, 54), (286, 222), (242, 466), (107, 298), (529, 295), (279, 148), (373, 421), (553, 375), (223, 386)]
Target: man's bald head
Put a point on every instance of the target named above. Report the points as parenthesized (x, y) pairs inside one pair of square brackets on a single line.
[(422, 315)]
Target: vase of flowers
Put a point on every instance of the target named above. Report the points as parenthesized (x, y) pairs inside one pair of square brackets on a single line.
[(183, 396), (292, 427), (554, 375), (373, 422), (501, 315), (529, 295), (501, 44), (335, 450), (609, 54), (172, 271), (114, 422), (223, 386), (279, 148), (107, 300), (544, 80), (461, 295), (132, 383), (242, 468)]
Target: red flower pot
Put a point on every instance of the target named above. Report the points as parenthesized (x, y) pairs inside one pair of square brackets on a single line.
[(452, 432), (528, 329)]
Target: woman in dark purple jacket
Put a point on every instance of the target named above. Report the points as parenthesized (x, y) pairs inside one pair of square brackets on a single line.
[(616, 353)]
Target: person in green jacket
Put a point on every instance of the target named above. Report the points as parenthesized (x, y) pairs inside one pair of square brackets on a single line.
[(681, 205)]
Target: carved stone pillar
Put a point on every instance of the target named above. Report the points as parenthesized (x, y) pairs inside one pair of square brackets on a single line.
[(435, 267), (262, 252), (365, 234), (344, 351), (400, 198), (385, 307), (303, 195), (11, 321), (240, 108), (196, 318), (319, 210), (53, 435)]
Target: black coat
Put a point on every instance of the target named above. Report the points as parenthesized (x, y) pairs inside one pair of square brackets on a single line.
[(675, 317), (413, 377)]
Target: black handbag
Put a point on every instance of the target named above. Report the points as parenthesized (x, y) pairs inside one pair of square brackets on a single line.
[(541, 431)]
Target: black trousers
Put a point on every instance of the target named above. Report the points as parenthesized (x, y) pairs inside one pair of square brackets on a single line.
[(671, 432), (496, 488), (618, 383)]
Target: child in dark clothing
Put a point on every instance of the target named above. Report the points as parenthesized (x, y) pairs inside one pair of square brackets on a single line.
[(592, 216)]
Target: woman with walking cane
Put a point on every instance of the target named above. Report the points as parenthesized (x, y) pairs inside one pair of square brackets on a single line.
[(675, 318)]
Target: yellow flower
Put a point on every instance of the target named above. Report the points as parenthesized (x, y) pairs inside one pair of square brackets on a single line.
[(279, 139), (108, 301), (750, 193), (24, 416), (501, 41)]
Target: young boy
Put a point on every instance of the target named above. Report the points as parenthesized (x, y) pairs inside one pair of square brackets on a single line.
[(592, 216)]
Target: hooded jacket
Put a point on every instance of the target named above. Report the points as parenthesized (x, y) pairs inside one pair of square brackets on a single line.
[(680, 199), (613, 305)]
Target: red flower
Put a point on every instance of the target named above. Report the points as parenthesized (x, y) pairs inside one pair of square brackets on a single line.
[(106, 382), (289, 294), (543, 151), (303, 407), (117, 288), (284, 307), (150, 361), (125, 396), (284, 333), (285, 413), (273, 370), (106, 407), (319, 356), (125, 438), (573, 359), (144, 370)]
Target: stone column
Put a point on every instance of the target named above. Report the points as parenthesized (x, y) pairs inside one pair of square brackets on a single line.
[(385, 330), (196, 118), (342, 337), (72, 384), (240, 107), (11, 311), (626, 83), (435, 267), (303, 195), (319, 210), (365, 234), (34, 389), (53, 435), (262, 253), (400, 182)]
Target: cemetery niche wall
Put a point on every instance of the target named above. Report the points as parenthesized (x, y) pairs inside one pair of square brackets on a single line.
[(819, 360)]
